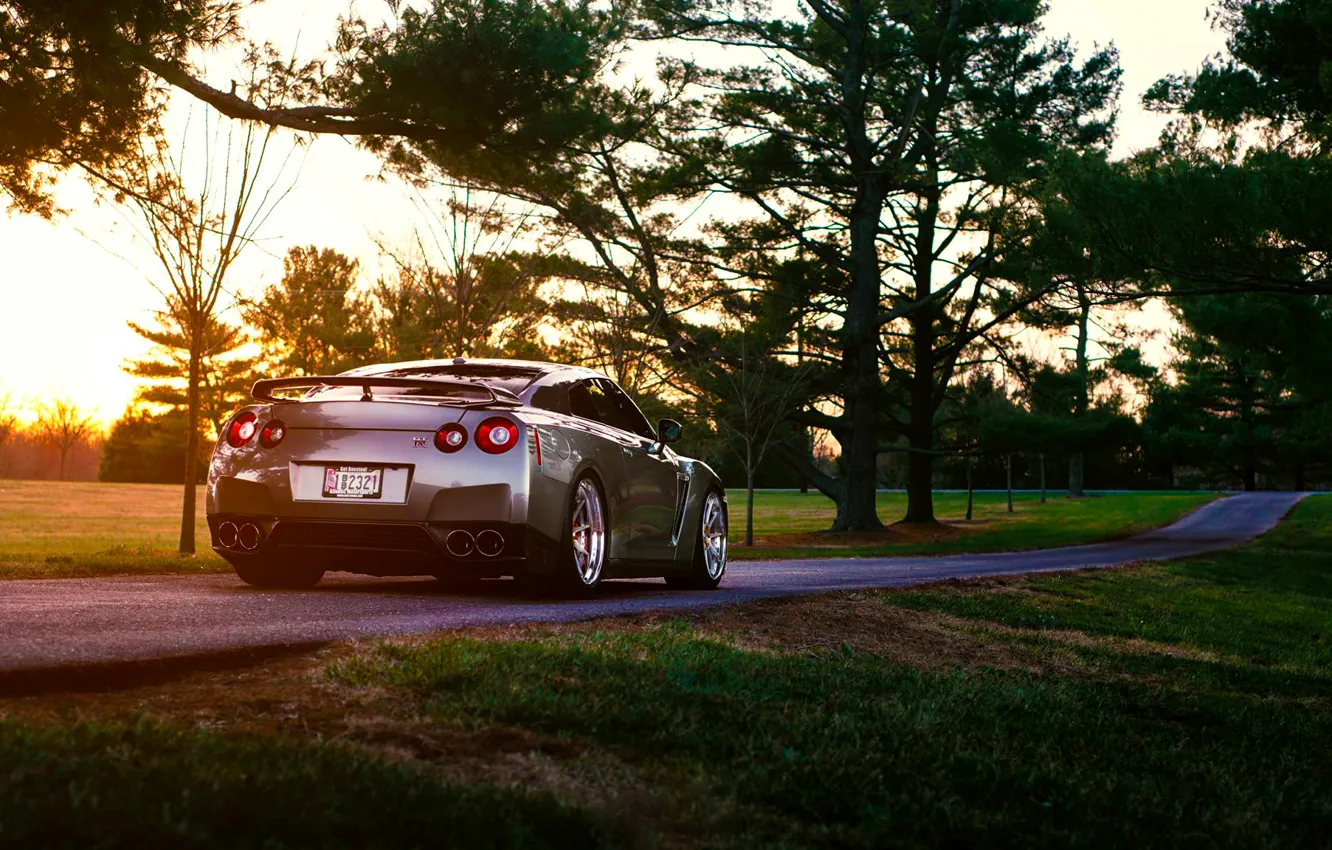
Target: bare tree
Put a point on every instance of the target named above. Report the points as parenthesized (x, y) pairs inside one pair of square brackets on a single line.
[(8, 429), (757, 392), (62, 426), (466, 286), (198, 212)]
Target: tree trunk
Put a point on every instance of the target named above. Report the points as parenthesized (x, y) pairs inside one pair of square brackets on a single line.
[(1042, 478), (1250, 478), (64, 453), (1081, 398), (749, 505), (1075, 476), (971, 491), (860, 331), (1008, 469), (191, 449), (1299, 476), (920, 460)]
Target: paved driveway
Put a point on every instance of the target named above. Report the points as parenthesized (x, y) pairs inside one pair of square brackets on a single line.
[(59, 622)]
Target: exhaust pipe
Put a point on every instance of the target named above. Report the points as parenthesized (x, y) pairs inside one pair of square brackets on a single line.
[(249, 537), (227, 534), (460, 543), (490, 543)]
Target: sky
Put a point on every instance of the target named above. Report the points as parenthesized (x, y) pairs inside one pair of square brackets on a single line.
[(69, 286)]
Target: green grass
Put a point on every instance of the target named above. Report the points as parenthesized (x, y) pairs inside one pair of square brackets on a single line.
[(64, 529), (1267, 605), (1059, 522), (148, 785), (1187, 705)]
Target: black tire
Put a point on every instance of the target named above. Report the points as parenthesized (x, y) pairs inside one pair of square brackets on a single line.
[(703, 572), (263, 572), (570, 574)]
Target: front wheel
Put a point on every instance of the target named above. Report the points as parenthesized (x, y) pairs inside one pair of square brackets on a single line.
[(263, 572), (710, 551)]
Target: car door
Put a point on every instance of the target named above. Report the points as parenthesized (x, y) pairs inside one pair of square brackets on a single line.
[(652, 480)]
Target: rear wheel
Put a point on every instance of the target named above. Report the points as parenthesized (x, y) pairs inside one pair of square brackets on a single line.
[(581, 558), (710, 550), (265, 572)]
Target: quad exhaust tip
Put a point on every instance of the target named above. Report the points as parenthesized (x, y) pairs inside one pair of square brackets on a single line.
[(249, 537), (227, 534), (460, 543), (490, 543)]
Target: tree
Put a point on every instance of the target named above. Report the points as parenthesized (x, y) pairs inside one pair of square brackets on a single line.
[(61, 425), (75, 93), (887, 151), (196, 233), (9, 429), (750, 394), (225, 372), (144, 448), (312, 322), (1232, 199), (464, 288), (1249, 401)]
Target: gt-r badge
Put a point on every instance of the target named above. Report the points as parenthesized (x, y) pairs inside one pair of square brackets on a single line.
[(420, 442)]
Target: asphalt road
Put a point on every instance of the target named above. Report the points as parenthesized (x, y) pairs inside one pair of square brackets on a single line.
[(78, 623)]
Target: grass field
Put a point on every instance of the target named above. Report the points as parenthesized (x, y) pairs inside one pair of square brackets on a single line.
[(1178, 705), (52, 529)]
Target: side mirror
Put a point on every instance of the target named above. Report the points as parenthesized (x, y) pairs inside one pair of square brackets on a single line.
[(668, 431)]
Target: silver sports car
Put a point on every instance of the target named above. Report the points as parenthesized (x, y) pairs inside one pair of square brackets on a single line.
[(461, 469)]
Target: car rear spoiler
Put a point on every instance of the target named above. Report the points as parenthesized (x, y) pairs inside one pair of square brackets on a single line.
[(263, 390)]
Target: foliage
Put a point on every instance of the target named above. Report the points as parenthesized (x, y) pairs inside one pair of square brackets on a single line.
[(1251, 399), (1275, 71), (74, 93), (871, 148), (61, 425), (197, 224), (465, 288), (225, 372), (147, 449), (311, 322)]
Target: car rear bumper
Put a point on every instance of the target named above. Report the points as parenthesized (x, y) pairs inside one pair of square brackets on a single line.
[(379, 548)]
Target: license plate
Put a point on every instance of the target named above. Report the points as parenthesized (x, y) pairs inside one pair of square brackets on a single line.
[(353, 482)]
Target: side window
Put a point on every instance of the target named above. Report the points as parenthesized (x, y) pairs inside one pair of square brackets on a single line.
[(587, 401), (553, 398), (627, 415)]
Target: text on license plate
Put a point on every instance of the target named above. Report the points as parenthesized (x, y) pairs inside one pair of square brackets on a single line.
[(353, 482)]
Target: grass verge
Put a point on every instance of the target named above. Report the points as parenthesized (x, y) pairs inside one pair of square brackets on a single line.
[(791, 525), (150, 785), (1187, 704), (79, 529)]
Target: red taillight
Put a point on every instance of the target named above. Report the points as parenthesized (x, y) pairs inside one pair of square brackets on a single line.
[(274, 432), (496, 435), (450, 438), (241, 430)]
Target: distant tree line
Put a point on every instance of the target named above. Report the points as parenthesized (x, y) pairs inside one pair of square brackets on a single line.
[(48, 440)]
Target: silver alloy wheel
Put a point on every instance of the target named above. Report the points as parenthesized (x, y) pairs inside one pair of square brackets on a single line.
[(714, 536), (589, 532)]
